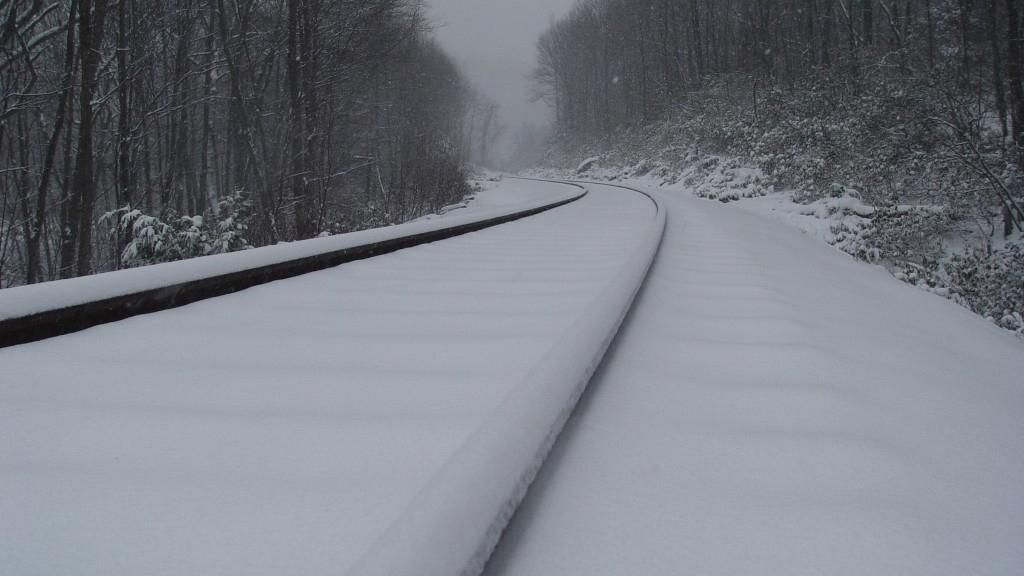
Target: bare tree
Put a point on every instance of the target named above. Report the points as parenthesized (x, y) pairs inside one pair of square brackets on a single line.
[(267, 118)]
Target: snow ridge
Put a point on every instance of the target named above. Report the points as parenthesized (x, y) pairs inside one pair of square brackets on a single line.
[(452, 528), (64, 306)]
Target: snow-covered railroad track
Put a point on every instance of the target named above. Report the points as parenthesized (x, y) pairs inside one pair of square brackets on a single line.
[(384, 414), (774, 407), (33, 313)]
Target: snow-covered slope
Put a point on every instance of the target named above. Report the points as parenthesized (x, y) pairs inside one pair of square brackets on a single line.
[(281, 430), (773, 407)]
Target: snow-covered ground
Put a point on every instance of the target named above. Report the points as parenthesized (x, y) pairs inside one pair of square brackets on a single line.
[(283, 429), (493, 192), (771, 407), (455, 523), (921, 244), (774, 407)]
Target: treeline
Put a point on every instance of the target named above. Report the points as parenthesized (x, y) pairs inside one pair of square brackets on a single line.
[(136, 131), (818, 82), (612, 62)]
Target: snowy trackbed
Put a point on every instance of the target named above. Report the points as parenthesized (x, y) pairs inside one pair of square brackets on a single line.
[(634, 382), (33, 313), (453, 528), (383, 417), (774, 407)]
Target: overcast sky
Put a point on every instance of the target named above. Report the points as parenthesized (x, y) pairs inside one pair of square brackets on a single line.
[(494, 42)]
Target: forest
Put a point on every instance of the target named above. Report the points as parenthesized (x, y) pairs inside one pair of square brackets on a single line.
[(141, 131), (913, 107)]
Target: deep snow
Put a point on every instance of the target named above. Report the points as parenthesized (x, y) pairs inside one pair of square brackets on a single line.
[(774, 407), (283, 429)]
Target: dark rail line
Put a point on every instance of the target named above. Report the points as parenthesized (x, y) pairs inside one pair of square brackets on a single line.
[(58, 322)]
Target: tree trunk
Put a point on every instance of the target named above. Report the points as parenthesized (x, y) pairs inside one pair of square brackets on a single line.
[(204, 145), (299, 177), (826, 33), (78, 241), (1013, 70), (997, 66), (123, 190), (930, 19), (698, 50), (868, 21), (966, 7), (33, 268)]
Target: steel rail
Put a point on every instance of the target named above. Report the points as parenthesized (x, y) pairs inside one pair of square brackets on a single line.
[(60, 321)]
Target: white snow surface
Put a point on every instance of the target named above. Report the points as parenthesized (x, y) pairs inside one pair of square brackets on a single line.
[(771, 407), (284, 429), (587, 164), (774, 407), (453, 527), (494, 201)]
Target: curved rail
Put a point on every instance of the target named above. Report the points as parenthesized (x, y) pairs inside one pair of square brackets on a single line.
[(454, 526), (81, 303)]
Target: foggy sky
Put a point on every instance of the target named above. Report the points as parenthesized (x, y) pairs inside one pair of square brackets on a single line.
[(494, 42)]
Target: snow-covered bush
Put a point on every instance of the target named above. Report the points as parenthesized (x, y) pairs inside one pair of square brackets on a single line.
[(234, 215), (992, 285), (151, 239), (725, 179), (909, 236)]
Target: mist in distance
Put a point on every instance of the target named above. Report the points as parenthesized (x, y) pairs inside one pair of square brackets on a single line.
[(494, 43)]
